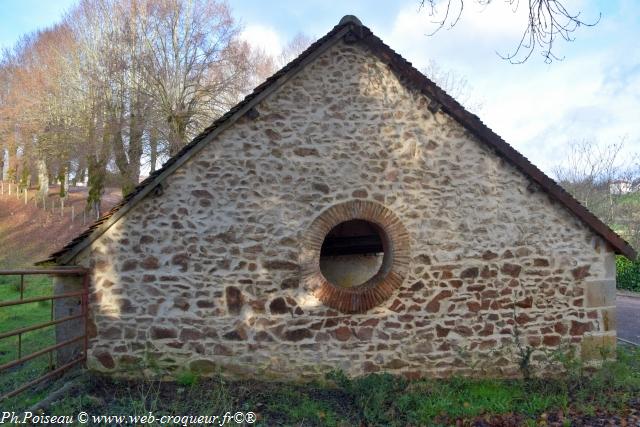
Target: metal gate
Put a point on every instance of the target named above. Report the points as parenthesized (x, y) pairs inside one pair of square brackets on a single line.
[(54, 366)]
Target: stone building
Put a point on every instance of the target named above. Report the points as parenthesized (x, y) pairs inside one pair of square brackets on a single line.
[(348, 214)]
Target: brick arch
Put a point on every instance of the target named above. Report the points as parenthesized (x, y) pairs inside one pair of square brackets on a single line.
[(381, 286)]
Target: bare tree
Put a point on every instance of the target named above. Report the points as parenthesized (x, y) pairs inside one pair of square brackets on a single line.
[(454, 84), (119, 85), (298, 44), (197, 66), (605, 179), (113, 32), (36, 108), (548, 21), (264, 65)]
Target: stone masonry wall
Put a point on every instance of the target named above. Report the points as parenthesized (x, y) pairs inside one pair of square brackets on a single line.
[(206, 276)]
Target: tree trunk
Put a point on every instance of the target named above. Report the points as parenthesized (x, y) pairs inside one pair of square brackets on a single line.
[(153, 150), (134, 151), (63, 181), (25, 177), (97, 169), (12, 163), (79, 177), (121, 160), (3, 169), (97, 172), (177, 133), (127, 156), (43, 178)]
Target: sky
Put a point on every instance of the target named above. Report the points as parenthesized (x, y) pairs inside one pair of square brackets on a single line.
[(592, 94)]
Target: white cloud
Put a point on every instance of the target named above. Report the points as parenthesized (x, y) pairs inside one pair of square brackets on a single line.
[(263, 37), (593, 94)]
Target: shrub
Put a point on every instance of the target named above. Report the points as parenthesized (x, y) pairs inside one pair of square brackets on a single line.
[(628, 274)]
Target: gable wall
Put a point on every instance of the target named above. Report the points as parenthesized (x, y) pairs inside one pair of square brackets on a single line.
[(207, 275)]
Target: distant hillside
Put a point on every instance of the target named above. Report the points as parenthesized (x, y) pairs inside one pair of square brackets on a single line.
[(29, 233)]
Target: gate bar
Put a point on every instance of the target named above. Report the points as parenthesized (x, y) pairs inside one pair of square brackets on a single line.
[(37, 299), (42, 378), (40, 353), (84, 300), (39, 326), (71, 271)]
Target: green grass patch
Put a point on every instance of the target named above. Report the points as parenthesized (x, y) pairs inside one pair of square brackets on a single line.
[(373, 400), (629, 198), (300, 405), (20, 316)]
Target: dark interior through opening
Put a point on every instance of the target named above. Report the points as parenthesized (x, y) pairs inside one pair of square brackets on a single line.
[(352, 253), (355, 237)]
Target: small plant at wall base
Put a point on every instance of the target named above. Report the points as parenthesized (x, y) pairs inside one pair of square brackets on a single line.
[(524, 352), (628, 274)]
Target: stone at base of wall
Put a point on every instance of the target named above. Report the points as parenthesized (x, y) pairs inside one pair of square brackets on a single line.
[(596, 348), (67, 307)]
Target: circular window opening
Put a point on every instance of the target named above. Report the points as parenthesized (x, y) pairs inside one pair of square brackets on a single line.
[(353, 253)]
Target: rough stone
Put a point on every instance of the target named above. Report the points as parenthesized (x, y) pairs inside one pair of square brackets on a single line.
[(234, 298), (469, 273), (434, 304), (512, 270), (321, 187), (105, 359), (581, 272), (579, 328), (278, 306), (238, 334), (203, 367), (280, 265), (215, 268), (160, 332), (298, 334), (342, 333), (150, 263)]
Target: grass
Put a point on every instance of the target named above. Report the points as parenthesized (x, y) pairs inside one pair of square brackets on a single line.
[(374, 400), (629, 198), (20, 316)]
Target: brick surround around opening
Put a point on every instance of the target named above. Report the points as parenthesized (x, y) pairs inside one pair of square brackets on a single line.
[(382, 285)]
